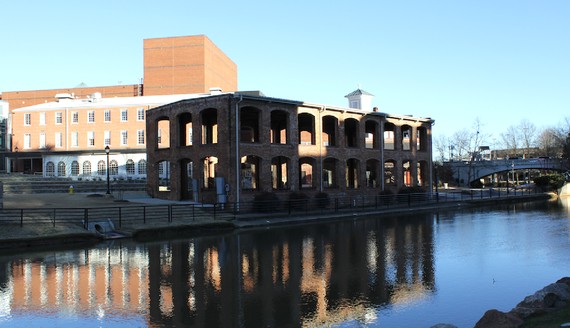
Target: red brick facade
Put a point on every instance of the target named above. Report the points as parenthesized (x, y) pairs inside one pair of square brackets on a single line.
[(282, 146)]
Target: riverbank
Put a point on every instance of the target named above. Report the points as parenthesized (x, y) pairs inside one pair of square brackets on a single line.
[(15, 237)]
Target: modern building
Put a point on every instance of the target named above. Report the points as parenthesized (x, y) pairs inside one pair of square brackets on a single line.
[(233, 146), (38, 131)]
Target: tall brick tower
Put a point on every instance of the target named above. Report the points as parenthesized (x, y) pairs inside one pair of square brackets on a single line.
[(186, 64)]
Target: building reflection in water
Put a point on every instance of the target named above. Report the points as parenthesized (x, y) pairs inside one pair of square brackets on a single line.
[(305, 276)]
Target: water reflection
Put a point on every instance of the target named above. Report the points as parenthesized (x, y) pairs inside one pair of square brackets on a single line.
[(307, 276)]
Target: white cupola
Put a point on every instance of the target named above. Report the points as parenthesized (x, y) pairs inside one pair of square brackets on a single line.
[(360, 99)]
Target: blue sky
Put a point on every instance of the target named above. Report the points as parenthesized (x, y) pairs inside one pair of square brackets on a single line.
[(451, 60)]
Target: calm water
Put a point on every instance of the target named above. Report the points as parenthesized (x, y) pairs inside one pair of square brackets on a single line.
[(407, 271)]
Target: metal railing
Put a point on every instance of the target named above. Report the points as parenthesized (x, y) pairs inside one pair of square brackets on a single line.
[(155, 215)]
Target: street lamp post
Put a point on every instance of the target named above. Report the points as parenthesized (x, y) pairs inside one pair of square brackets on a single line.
[(107, 151)]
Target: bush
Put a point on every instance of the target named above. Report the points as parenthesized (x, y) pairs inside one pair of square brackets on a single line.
[(266, 202), (298, 200), (322, 200), (550, 182), (411, 190)]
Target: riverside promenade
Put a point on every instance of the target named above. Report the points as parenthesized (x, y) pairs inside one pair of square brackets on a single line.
[(16, 237)]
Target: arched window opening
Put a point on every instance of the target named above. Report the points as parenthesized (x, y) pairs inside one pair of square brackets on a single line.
[(370, 139), (250, 172), (352, 173), (141, 167), (351, 132), (422, 139), (390, 173), (306, 173), (306, 129), (407, 169), (329, 173), (113, 167), (372, 173), (188, 184), (86, 168), (249, 124), (50, 169), (209, 118), (163, 168), (101, 168), (279, 123), (330, 125), (61, 169), (130, 167), (406, 137), (74, 168), (389, 136), (279, 173), (185, 129), (163, 133), (210, 165)]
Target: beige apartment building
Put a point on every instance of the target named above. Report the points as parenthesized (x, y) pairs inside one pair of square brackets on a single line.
[(39, 126)]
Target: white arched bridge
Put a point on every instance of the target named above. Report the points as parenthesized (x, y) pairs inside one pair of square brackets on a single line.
[(466, 172)]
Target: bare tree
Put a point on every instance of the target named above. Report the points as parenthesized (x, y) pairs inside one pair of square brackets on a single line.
[(548, 142), (510, 140), (441, 146), (527, 132)]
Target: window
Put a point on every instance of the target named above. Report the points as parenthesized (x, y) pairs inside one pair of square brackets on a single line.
[(74, 168), (42, 140), (42, 118), (75, 117), (75, 139), (27, 141), (130, 166), (108, 115), (50, 169), (90, 138), (91, 116), (124, 115), (86, 168), (140, 114), (61, 169), (27, 119), (58, 140), (141, 167), (113, 167), (140, 137), (124, 138), (58, 118), (107, 140), (101, 168)]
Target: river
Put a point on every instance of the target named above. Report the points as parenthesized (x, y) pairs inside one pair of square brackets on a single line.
[(385, 271)]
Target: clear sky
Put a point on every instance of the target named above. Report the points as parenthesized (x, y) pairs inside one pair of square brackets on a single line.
[(497, 60)]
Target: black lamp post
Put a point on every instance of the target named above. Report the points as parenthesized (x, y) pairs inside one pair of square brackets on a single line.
[(107, 151), (436, 183)]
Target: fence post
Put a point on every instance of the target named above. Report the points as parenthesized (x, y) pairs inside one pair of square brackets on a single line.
[(54, 217), (215, 206), (144, 214), (481, 193), (120, 216), (85, 219), (193, 212), (21, 218), (169, 213)]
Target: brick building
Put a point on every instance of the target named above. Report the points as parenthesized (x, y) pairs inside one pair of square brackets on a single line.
[(41, 131), (233, 146)]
